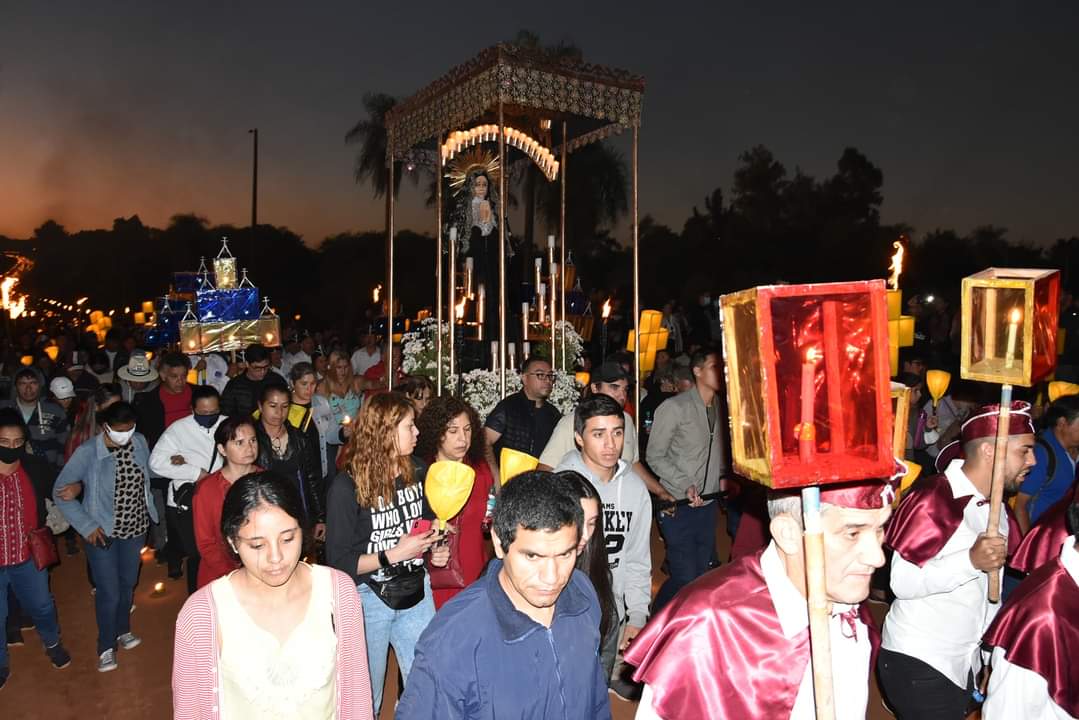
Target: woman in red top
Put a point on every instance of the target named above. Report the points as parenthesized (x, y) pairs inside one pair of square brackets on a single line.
[(451, 430), (238, 444)]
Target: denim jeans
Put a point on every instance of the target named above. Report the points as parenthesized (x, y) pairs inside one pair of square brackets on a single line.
[(691, 547), (31, 587), (385, 626), (116, 570)]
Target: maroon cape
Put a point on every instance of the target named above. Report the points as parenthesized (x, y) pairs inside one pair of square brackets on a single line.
[(927, 518), (1038, 628), (717, 649), (1042, 544)]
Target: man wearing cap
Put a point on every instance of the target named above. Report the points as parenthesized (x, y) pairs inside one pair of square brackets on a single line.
[(735, 643), (63, 393), (940, 571), (1034, 675)]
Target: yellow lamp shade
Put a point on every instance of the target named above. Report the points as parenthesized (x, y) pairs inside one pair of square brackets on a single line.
[(140, 318), (582, 377), (1059, 388), (148, 306), (27, 360), (895, 304), (906, 330), (937, 381), (447, 487), (512, 463), (913, 471), (53, 352)]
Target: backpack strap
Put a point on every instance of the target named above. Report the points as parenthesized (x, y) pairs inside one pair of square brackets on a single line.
[(1050, 466)]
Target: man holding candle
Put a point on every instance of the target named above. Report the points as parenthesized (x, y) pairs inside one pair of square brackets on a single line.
[(940, 571), (735, 644)]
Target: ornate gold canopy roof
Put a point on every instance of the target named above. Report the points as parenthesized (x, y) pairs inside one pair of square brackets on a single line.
[(595, 101)]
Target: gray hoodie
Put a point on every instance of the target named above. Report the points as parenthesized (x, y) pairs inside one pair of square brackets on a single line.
[(626, 511)]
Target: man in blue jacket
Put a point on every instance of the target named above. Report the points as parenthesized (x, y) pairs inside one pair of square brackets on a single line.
[(523, 640)]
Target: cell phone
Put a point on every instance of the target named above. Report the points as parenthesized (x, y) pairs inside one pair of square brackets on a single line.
[(420, 526), (105, 543)]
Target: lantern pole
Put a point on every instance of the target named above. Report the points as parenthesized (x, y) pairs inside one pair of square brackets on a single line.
[(636, 293), (501, 250), (996, 493), (387, 360), (562, 267), (817, 599), (438, 264)]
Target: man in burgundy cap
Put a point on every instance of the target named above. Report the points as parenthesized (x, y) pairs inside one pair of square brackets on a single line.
[(735, 642), (939, 573), (1034, 674)]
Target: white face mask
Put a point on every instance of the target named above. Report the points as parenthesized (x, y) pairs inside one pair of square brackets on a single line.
[(119, 438)]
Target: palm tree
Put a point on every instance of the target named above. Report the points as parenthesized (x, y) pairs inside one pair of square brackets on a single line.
[(370, 135)]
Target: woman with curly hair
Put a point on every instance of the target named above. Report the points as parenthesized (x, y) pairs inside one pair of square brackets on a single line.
[(378, 528), (451, 430)]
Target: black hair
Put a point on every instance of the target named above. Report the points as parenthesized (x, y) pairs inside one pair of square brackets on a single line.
[(27, 372), (593, 560), (532, 360), (10, 417), (256, 353), (274, 387), (299, 370), (176, 359), (700, 356), (1066, 407), (254, 490), (530, 501), (103, 392), (201, 392), (1073, 519), (597, 405), (226, 431), (119, 413)]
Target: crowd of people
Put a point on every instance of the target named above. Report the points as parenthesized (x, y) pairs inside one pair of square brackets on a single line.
[(287, 491)]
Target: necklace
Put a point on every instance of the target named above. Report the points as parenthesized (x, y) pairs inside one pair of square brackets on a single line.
[(279, 443)]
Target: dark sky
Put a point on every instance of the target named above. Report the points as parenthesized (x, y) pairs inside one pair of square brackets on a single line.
[(111, 109)]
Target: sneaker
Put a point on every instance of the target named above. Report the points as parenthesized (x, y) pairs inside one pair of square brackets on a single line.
[(129, 641), (5, 673), (106, 661), (58, 656), (14, 638)]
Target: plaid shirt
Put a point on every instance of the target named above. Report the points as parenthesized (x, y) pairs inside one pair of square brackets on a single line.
[(18, 516)]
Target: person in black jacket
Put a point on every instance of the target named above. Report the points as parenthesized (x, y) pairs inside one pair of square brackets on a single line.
[(286, 451), (242, 393), (25, 480)]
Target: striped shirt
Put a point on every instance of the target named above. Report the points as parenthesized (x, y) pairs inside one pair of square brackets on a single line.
[(18, 516)]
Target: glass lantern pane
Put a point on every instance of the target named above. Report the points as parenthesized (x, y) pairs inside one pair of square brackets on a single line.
[(748, 418), (998, 317)]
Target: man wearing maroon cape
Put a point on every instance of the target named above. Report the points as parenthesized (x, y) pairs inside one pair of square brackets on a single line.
[(734, 644), (1034, 673), (939, 573)]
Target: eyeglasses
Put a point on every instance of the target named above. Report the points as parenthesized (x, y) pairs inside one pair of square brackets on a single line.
[(549, 377), (259, 368), (9, 443)]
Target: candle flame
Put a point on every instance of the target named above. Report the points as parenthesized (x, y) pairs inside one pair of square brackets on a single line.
[(897, 265), (376, 292), (1016, 315), (606, 308), (346, 420), (811, 355), (459, 309)]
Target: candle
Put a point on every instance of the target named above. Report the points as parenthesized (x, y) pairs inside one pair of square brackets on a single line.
[(806, 431), (524, 320), (468, 277), (542, 294), (550, 241), (481, 303), (494, 355), (511, 356), (554, 292), (453, 234), (346, 420), (159, 589), (1013, 326), (527, 348), (539, 270)]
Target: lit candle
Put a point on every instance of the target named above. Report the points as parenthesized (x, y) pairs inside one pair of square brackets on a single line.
[(806, 439), (159, 589), (1013, 326), (481, 303), (346, 420), (542, 294), (524, 320), (511, 356), (468, 276), (539, 271)]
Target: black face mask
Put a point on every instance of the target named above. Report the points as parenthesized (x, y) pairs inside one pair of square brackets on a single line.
[(207, 421), (11, 455)]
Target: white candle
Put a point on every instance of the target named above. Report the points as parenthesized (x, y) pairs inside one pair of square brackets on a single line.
[(550, 241), (1013, 326), (539, 273), (481, 304), (524, 320), (527, 346), (468, 276), (542, 294), (494, 355), (453, 234)]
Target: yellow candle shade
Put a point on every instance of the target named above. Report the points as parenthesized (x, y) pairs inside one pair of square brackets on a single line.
[(893, 346), (582, 377), (913, 471), (937, 381), (193, 376), (53, 352), (148, 306), (448, 486), (906, 330), (900, 416), (512, 463), (27, 360), (1059, 389), (1009, 325), (140, 318), (895, 304)]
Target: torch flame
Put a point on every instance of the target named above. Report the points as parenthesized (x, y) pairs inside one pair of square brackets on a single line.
[(5, 288), (897, 265), (460, 309), (376, 292), (606, 308)]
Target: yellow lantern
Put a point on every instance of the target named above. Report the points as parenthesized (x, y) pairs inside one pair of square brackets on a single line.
[(582, 377), (27, 360), (1059, 389), (140, 318), (512, 463), (654, 338), (53, 352), (447, 487), (937, 381), (913, 471), (148, 307)]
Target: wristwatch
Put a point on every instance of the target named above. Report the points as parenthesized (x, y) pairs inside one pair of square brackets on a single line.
[(383, 560)]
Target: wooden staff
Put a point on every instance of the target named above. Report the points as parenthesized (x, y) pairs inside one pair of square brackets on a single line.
[(817, 599), (996, 494)]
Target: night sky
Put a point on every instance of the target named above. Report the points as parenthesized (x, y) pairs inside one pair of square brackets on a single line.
[(112, 109)]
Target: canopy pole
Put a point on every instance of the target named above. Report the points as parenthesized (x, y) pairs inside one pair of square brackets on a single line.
[(562, 267), (388, 357), (501, 250), (636, 294), (438, 265)]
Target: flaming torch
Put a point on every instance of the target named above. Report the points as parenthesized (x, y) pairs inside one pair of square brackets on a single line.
[(603, 330)]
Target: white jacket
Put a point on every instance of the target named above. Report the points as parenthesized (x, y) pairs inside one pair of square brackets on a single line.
[(195, 443)]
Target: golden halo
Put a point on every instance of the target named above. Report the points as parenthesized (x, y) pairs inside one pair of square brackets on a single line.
[(469, 162)]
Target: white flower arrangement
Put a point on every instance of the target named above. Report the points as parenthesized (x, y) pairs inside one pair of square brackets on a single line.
[(480, 389), (419, 352)]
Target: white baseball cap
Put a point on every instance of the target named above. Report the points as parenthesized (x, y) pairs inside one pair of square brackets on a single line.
[(61, 388)]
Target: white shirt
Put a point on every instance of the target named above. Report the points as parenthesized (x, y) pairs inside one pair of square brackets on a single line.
[(942, 609), (290, 359), (195, 443), (1015, 692), (362, 361), (850, 656)]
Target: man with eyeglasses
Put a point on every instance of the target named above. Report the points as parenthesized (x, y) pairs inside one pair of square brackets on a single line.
[(524, 420), (242, 393)]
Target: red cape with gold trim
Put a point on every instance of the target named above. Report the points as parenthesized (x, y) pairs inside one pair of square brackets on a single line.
[(927, 518), (1038, 628), (717, 650), (1042, 544)]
